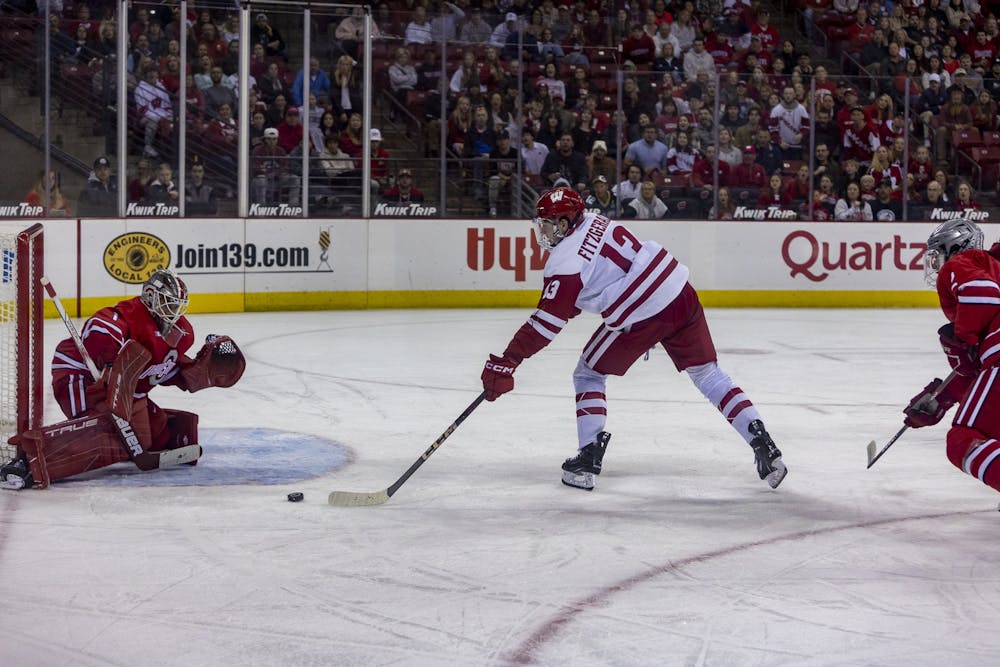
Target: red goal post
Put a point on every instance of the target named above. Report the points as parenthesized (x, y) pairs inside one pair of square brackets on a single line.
[(22, 254)]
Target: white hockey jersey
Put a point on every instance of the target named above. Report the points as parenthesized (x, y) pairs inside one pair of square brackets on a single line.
[(602, 268)]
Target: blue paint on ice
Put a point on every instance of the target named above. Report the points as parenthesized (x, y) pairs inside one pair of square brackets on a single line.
[(234, 456)]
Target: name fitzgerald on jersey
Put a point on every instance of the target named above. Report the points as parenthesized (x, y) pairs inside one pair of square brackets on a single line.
[(593, 238)]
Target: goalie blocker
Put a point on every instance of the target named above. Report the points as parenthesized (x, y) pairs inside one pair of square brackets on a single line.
[(119, 427)]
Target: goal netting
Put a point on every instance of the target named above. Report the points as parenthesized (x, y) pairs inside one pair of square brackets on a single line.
[(21, 321)]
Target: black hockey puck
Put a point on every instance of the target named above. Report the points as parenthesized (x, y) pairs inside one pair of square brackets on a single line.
[(295, 496)]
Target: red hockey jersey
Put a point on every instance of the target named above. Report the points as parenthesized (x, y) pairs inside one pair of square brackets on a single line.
[(106, 332), (969, 288)]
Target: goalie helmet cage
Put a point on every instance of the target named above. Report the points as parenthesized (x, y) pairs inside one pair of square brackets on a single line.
[(21, 324)]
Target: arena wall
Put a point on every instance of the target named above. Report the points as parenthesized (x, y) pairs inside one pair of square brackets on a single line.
[(234, 265)]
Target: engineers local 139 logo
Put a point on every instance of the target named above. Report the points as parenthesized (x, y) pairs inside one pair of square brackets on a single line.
[(132, 257)]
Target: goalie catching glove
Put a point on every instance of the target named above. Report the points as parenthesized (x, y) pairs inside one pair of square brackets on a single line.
[(219, 363), (498, 376)]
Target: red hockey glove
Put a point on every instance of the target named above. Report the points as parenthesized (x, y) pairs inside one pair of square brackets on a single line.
[(963, 359), (219, 363), (926, 409), (498, 376)]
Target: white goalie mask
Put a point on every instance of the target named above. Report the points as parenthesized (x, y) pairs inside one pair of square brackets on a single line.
[(166, 298), (947, 239)]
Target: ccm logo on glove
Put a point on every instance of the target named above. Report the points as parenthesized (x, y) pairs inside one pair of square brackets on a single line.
[(500, 368)]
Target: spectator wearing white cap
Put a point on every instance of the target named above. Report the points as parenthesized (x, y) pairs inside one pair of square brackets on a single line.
[(271, 176), (262, 32), (932, 98), (599, 163), (379, 160), (601, 200), (509, 25)]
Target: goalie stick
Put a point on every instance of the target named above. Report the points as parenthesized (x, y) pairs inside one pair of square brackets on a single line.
[(143, 460), (873, 456), (358, 499)]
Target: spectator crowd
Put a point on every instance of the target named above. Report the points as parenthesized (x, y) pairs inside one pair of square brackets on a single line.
[(720, 111)]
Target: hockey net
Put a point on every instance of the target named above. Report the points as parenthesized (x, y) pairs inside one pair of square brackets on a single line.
[(21, 322)]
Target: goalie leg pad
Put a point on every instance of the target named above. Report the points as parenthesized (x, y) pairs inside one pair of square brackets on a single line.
[(182, 428), (72, 447), (123, 375)]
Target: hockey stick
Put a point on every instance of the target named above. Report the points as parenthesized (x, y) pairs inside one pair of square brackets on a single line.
[(357, 499), (143, 460), (872, 456)]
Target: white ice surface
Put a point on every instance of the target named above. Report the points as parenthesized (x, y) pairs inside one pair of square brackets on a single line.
[(681, 556)]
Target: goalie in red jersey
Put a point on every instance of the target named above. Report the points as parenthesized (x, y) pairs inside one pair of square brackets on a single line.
[(134, 346), (967, 279), (644, 299)]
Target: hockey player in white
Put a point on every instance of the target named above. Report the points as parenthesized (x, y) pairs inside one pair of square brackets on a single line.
[(643, 296)]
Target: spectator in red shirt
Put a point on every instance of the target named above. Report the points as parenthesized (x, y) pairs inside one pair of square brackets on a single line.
[(769, 36), (799, 187), (921, 168), (964, 198), (859, 33), (983, 52), (703, 175), (404, 192), (860, 139), (290, 132), (638, 46), (774, 194), (750, 173)]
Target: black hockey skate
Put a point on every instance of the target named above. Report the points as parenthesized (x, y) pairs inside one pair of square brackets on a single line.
[(580, 470), (15, 475), (767, 455)]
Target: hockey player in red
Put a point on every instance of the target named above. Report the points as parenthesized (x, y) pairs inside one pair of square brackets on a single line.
[(135, 345), (967, 279), (643, 297)]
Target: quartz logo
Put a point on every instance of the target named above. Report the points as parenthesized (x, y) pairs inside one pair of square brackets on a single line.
[(486, 249), (816, 260)]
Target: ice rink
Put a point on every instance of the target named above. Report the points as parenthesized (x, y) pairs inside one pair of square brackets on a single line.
[(681, 556)]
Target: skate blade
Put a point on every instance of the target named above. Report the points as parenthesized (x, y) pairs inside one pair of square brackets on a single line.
[(583, 481), (775, 476)]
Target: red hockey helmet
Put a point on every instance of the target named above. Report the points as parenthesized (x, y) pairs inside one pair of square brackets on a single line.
[(552, 207)]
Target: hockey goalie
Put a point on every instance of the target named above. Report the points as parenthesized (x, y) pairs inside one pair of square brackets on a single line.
[(138, 344)]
